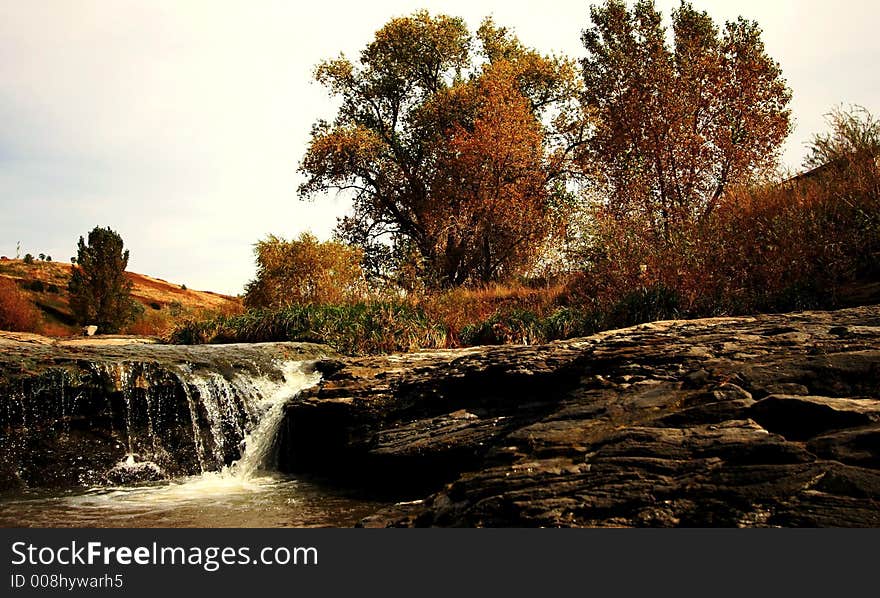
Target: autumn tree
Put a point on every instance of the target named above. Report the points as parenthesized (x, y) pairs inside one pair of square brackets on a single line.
[(493, 215), (683, 117), (100, 293), (406, 142), (304, 270)]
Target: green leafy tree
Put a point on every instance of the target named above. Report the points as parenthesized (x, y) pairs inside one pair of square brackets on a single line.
[(100, 293)]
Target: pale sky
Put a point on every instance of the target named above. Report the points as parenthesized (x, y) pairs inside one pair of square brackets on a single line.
[(180, 123)]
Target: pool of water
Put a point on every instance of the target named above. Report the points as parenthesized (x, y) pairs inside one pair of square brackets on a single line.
[(214, 499)]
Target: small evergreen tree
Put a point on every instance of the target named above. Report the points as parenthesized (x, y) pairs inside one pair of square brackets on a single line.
[(100, 294)]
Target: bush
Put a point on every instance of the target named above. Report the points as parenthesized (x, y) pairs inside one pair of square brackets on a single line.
[(519, 327), (17, 313), (775, 247), (303, 271), (647, 304), (36, 286)]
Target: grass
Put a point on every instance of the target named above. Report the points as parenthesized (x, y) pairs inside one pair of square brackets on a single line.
[(357, 329), (43, 286)]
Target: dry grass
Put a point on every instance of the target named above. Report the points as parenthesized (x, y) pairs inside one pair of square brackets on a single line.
[(55, 318), (459, 309)]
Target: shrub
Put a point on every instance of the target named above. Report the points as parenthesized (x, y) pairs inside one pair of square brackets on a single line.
[(519, 327), (303, 271), (36, 286), (17, 313)]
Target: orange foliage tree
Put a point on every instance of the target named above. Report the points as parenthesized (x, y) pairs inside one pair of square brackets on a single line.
[(304, 270), (679, 123), (418, 133), (494, 211)]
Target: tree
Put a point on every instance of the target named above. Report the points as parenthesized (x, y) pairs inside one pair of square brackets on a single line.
[(28, 258), (494, 213), (679, 122), (100, 293), (304, 270), (419, 84)]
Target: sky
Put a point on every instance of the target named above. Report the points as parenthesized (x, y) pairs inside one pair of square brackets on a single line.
[(180, 123)]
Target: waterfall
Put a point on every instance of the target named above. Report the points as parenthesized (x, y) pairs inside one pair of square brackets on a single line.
[(233, 419), (259, 443)]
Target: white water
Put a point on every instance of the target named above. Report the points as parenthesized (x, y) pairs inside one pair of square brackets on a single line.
[(246, 493), (264, 399)]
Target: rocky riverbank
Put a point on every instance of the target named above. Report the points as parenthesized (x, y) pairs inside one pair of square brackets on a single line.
[(757, 421), (771, 420)]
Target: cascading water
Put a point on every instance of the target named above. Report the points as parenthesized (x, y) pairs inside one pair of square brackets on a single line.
[(245, 407), (161, 436)]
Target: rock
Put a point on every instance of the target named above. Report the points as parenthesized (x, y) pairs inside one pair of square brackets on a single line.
[(860, 446), (762, 421), (656, 425), (71, 410), (90, 330), (801, 418)]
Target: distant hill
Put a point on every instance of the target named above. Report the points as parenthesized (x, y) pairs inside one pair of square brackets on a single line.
[(164, 303)]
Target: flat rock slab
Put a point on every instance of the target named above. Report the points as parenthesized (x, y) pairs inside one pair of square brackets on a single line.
[(803, 417), (757, 421)]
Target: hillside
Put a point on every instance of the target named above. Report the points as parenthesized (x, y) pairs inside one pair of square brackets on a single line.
[(44, 284)]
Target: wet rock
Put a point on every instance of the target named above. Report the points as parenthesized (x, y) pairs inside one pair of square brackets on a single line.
[(71, 410), (801, 418), (764, 421)]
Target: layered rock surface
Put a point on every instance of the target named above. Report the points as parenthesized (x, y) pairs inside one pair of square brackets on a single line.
[(757, 421)]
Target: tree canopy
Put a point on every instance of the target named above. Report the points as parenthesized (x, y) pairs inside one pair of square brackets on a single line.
[(455, 147), (681, 117)]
